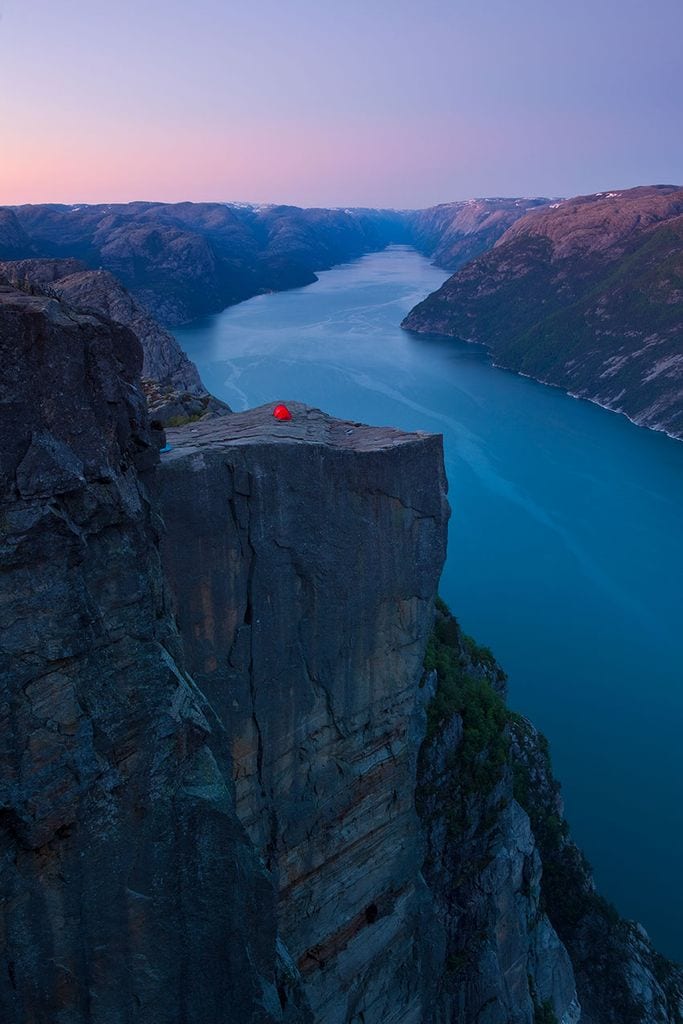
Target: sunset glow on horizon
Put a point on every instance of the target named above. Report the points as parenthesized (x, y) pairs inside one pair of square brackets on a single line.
[(382, 104)]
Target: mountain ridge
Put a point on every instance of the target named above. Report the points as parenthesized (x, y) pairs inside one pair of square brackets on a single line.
[(587, 295), (183, 260)]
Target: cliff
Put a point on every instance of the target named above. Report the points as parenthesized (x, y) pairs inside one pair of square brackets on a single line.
[(304, 557), (620, 977), (529, 941), (130, 890), (242, 780), (171, 381), (586, 294)]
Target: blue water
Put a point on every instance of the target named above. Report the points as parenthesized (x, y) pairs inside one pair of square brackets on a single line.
[(565, 548)]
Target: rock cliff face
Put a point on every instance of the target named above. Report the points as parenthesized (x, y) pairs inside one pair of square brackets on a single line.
[(620, 977), (505, 963), (304, 557), (172, 384), (264, 794), (130, 891), (528, 939), (586, 294)]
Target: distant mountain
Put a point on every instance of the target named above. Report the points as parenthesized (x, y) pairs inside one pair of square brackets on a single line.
[(454, 233), (14, 242), (184, 260), (586, 294), (187, 259)]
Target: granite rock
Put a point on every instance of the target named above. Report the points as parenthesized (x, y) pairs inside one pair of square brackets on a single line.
[(504, 962), (171, 381), (620, 977), (304, 557), (130, 890)]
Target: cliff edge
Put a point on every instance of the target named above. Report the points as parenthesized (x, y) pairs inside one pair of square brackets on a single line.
[(130, 891), (304, 557), (170, 379), (242, 779)]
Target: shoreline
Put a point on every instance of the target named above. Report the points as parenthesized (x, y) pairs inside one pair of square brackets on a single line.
[(548, 383)]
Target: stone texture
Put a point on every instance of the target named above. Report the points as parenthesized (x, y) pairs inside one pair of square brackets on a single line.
[(620, 977), (304, 558), (171, 381), (503, 962), (527, 937), (130, 891)]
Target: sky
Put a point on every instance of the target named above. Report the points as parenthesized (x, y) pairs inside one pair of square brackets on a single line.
[(394, 103)]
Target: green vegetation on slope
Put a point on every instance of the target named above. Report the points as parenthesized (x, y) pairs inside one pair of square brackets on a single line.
[(499, 755), (588, 297), (464, 672)]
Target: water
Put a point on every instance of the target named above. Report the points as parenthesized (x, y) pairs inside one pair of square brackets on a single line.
[(565, 548)]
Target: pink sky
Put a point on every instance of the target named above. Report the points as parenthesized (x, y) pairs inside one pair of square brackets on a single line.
[(384, 103)]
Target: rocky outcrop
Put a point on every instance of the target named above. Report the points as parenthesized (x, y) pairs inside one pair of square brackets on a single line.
[(504, 963), (212, 805), (528, 939), (586, 294), (621, 979), (171, 381), (130, 890), (304, 558)]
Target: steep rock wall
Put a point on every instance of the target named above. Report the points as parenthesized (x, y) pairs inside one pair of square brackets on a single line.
[(620, 977), (528, 938), (129, 890), (505, 963), (171, 381), (304, 557)]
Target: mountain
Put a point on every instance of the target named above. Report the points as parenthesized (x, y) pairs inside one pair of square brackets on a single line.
[(186, 259), (454, 233), (14, 242), (586, 294), (251, 768)]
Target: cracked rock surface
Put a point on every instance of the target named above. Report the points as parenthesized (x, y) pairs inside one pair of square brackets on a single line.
[(130, 891), (304, 557), (171, 381)]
